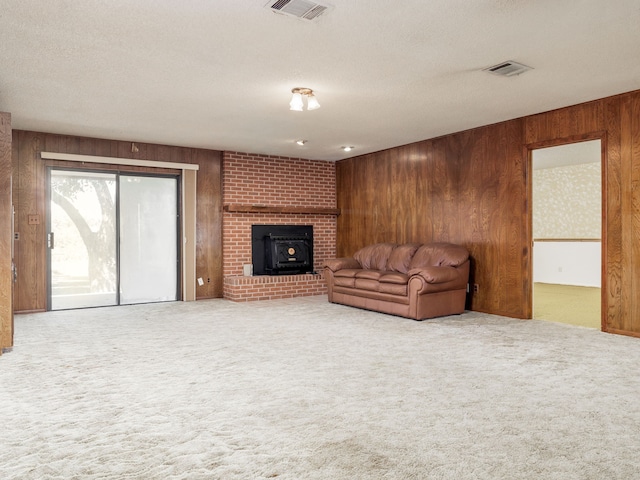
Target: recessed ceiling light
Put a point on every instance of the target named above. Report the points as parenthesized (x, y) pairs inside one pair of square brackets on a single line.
[(347, 149), (301, 142)]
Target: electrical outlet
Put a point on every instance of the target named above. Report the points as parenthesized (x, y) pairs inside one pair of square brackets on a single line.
[(200, 281), (476, 287)]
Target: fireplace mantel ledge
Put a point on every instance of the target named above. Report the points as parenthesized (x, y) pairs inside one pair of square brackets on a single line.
[(239, 208)]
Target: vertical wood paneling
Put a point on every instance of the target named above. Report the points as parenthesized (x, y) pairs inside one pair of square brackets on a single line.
[(518, 221), (625, 214), (29, 199), (208, 215), (492, 211), (466, 188), (349, 224), (29, 196), (381, 221), (367, 215), (403, 175), (6, 276), (630, 212), (633, 320), (442, 187), (422, 160), (612, 223)]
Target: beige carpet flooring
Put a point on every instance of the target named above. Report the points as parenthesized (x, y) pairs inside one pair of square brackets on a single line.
[(303, 389), (567, 304)]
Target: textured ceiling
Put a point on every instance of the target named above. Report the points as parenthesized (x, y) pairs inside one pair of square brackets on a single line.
[(218, 73)]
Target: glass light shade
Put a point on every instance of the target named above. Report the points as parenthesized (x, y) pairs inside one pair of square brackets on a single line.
[(312, 102), (296, 102)]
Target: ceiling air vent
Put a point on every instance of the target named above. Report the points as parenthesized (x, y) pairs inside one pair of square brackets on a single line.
[(508, 69), (303, 9)]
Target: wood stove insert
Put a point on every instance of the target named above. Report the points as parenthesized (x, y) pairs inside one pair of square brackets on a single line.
[(282, 249)]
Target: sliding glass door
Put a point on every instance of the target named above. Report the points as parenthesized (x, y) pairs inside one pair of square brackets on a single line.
[(113, 239), (82, 240), (148, 239)]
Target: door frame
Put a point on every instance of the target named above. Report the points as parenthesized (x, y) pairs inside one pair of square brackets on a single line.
[(599, 135)]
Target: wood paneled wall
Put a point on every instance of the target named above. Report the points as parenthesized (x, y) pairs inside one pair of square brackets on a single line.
[(29, 197), (473, 188), (466, 188), (6, 276)]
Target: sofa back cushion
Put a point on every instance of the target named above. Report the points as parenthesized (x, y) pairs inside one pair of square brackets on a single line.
[(374, 257), (401, 256), (439, 255)]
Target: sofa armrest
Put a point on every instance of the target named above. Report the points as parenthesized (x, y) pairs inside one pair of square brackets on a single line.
[(336, 264), (435, 275), (437, 279)]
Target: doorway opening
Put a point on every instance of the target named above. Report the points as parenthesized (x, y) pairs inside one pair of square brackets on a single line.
[(113, 238), (567, 233)]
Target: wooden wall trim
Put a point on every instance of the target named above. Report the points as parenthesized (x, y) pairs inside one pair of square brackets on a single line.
[(116, 161), (6, 240), (237, 208), (567, 240), (555, 142), (189, 233)]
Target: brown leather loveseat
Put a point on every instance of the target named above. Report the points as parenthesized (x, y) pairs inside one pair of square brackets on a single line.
[(411, 280)]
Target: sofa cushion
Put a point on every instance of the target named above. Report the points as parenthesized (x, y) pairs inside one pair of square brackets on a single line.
[(374, 257), (394, 277), (370, 274), (344, 282), (401, 257), (439, 255), (347, 272), (393, 288), (367, 284)]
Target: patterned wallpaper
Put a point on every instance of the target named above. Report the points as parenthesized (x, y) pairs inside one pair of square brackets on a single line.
[(567, 202)]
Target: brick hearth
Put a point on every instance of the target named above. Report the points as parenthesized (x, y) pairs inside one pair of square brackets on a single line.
[(264, 287)]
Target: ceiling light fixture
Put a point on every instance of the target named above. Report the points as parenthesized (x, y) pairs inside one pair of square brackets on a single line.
[(301, 142), (296, 104), (347, 149)]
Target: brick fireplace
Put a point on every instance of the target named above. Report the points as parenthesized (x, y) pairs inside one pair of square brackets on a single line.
[(273, 190)]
